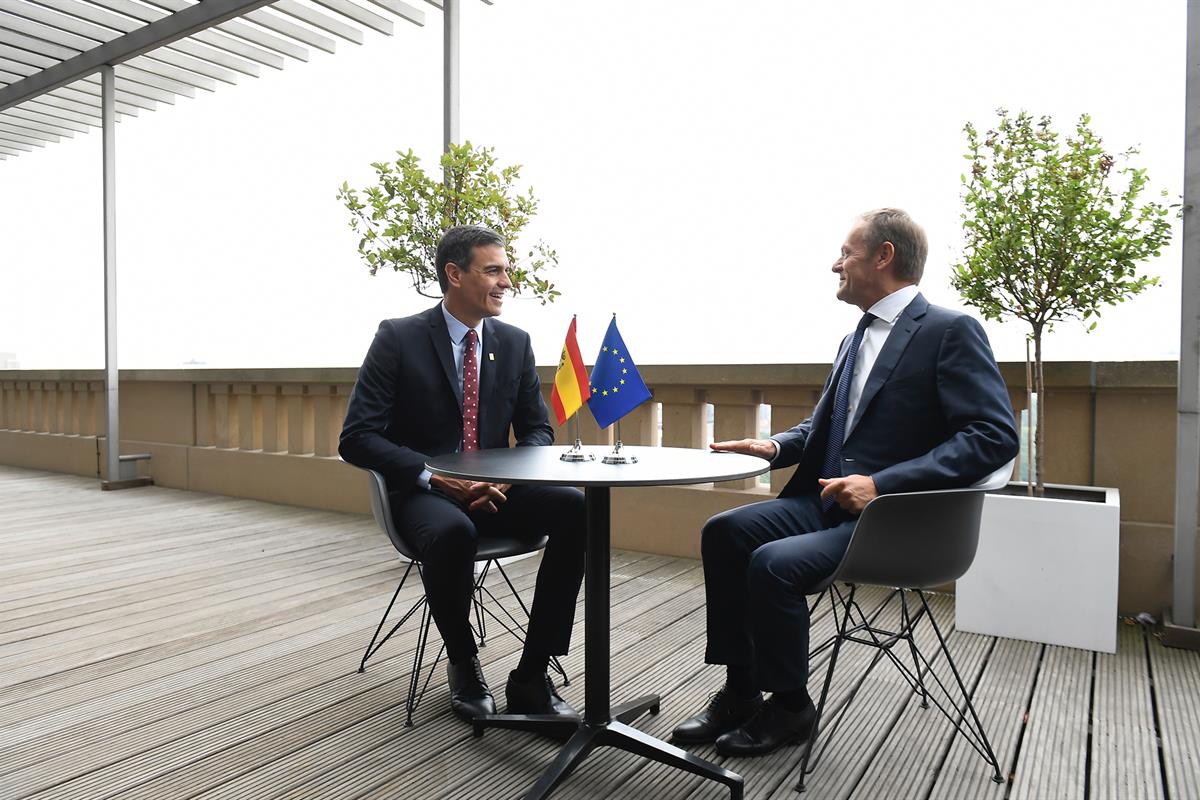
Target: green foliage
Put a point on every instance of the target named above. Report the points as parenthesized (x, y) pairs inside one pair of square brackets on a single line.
[(401, 219), (1053, 228), (1053, 231)]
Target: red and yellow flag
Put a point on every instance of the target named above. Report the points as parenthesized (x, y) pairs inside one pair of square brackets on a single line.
[(571, 389)]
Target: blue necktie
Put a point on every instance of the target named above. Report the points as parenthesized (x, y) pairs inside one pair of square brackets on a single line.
[(832, 466)]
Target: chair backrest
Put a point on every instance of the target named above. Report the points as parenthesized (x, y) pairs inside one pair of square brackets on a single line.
[(381, 509), (997, 480), (914, 540)]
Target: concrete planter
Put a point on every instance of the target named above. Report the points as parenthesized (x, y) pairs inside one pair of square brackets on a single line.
[(1046, 569)]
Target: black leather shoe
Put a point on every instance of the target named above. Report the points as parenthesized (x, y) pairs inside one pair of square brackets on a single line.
[(768, 730), (470, 696), (537, 696), (725, 711)]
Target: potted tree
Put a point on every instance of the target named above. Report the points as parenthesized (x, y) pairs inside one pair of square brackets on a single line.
[(1054, 230), (401, 218)]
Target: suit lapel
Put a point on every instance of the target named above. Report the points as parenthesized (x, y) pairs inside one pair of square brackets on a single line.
[(439, 337), (902, 333), (492, 344)]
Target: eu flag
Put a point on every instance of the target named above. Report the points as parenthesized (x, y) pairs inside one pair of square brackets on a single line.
[(616, 386)]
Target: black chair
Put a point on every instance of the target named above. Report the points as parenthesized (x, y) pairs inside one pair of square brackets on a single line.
[(490, 550), (910, 542)]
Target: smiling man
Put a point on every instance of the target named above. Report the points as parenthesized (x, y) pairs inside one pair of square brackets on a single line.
[(455, 379), (914, 402)]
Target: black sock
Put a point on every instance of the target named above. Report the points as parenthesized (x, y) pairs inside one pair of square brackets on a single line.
[(793, 701), (532, 665), (739, 680)]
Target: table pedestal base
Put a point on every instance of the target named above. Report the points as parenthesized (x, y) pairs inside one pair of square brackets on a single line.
[(584, 737)]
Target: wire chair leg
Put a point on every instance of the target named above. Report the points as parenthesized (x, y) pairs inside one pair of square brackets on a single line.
[(833, 657), (991, 759), (414, 678), (477, 602), (362, 665), (907, 624)]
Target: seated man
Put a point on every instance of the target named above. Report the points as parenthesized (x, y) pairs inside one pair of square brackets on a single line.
[(453, 379), (914, 402)]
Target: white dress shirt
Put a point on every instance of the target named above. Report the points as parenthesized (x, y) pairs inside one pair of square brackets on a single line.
[(886, 312)]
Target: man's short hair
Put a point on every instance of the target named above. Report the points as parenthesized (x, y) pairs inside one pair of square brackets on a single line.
[(458, 245), (907, 237)]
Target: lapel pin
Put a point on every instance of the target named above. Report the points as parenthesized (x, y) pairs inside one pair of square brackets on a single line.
[(491, 356)]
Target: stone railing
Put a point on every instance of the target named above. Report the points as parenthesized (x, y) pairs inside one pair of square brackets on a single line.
[(271, 434)]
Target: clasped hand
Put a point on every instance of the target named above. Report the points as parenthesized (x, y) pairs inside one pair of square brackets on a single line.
[(475, 495), (852, 492)]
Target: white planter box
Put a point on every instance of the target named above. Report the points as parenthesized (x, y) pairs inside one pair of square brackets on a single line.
[(1046, 570)]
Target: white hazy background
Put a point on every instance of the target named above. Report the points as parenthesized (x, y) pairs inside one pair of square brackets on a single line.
[(698, 165)]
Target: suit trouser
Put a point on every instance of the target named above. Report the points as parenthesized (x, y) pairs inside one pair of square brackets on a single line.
[(760, 561), (444, 537)]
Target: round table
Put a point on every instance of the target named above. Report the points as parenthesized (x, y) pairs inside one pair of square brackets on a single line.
[(601, 724)]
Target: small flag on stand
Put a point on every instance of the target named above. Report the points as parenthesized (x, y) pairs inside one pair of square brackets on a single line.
[(570, 381), (616, 386)]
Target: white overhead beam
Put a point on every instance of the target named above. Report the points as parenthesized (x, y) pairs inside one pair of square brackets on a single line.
[(125, 47)]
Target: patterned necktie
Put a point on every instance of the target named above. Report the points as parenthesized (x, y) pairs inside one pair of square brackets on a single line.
[(832, 466), (470, 393)]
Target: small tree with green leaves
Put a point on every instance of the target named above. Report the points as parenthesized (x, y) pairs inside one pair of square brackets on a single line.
[(1053, 231), (401, 218)]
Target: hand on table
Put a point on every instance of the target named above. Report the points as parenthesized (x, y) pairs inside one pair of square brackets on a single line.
[(852, 492), (475, 495), (763, 448)]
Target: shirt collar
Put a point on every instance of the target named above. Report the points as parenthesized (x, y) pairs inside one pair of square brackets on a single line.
[(889, 308), (457, 330)]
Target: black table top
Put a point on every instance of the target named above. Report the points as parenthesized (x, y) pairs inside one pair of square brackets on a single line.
[(657, 466)]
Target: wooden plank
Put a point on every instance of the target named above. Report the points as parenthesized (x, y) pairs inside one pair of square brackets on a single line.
[(1054, 748), (1176, 678), (1125, 764)]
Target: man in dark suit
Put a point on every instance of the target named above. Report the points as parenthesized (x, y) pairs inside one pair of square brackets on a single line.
[(914, 402), (453, 379)]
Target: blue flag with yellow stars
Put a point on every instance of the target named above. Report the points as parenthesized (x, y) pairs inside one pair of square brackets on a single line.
[(616, 386)]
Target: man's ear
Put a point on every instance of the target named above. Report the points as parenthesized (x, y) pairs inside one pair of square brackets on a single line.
[(885, 255), (453, 274)]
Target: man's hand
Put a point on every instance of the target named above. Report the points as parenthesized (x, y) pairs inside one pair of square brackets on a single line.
[(852, 492), (475, 495), (763, 448)]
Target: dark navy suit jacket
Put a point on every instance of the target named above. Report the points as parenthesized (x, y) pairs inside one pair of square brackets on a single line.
[(407, 404), (934, 412)]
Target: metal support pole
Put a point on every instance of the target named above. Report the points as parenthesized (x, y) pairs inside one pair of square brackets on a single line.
[(451, 15), (1187, 449), (109, 146), (596, 701)]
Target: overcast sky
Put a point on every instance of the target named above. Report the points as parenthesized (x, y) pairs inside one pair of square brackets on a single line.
[(698, 165)]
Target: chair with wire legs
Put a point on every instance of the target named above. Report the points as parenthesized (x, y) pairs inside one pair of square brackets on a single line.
[(490, 550), (909, 542)]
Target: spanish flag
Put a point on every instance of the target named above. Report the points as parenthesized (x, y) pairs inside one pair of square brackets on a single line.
[(570, 390)]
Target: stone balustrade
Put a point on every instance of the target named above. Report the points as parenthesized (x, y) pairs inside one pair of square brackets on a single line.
[(271, 434)]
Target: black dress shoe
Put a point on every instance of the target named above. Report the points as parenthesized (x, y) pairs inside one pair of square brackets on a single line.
[(470, 696), (537, 696), (725, 711), (768, 730)]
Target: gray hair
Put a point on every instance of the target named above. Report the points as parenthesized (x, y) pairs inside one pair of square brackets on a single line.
[(907, 237)]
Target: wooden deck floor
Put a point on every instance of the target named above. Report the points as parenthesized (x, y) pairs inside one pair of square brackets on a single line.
[(163, 644)]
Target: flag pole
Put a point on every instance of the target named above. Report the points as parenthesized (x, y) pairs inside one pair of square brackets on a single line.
[(576, 452), (616, 456)]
